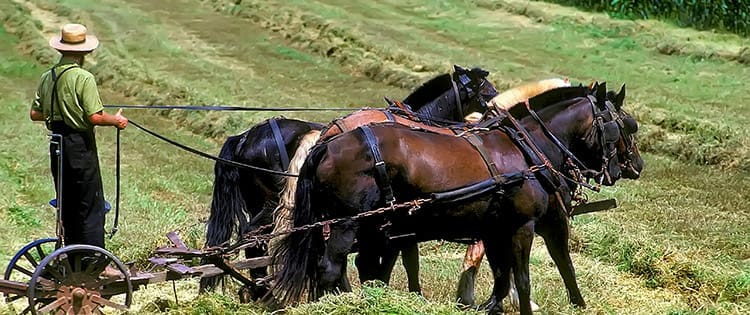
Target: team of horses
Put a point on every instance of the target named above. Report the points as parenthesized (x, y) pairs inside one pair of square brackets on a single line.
[(514, 171)]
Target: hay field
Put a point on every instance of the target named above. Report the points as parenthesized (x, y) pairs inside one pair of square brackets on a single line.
[(678, 243)]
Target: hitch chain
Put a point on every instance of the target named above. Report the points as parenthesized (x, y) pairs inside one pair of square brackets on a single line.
[(254, 237)]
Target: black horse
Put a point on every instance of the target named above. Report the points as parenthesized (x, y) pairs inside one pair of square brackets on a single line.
[(492, 185), (244, 200)]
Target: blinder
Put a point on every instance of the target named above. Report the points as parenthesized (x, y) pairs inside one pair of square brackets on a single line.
[(612, 128), (630, 125), (610, 132)]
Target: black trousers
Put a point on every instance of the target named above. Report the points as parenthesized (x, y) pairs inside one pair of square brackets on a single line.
[(82, 194)]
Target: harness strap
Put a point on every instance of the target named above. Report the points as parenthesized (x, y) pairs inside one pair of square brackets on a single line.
[(339, 122), (401, 107), (381, 175), (552, 137), (457, 95), (280, 144), (542, 165), (477, 143), (53, 98), (389, 115)]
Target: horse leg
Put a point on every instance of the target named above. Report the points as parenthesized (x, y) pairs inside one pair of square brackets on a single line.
[(387, 261), (555, 231), (410, 259), (513, 296), (500, 256), (472, 261), (368, 258), (522, 241)]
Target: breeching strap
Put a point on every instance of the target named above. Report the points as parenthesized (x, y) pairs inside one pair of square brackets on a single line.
[(279, 143), (381, 173)]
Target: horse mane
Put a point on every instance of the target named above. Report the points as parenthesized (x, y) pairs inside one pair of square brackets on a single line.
[(427, 91), (521, 93), (549, 98)]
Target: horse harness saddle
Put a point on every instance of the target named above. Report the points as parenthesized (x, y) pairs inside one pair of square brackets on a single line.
[(341, 122)]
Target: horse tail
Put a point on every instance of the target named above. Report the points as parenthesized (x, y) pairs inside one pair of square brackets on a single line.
[(282, 215), (227, 204), (296, 254)]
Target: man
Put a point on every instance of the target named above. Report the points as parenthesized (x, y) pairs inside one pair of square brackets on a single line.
[(68, 101)]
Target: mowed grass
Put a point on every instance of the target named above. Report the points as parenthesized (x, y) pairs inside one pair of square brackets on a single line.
[(677, 244)]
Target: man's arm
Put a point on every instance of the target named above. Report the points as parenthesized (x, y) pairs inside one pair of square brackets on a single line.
[(103, 119), (36, 113)]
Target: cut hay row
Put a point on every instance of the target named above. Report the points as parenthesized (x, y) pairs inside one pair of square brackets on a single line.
[(659, 36), (313, 33)]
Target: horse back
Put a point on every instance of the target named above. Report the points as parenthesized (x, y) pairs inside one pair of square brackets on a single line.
[(424, 160)]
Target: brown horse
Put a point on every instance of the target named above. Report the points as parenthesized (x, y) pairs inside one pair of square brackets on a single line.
[(244, 200), (485, 185), (469, 85), (380, 267)]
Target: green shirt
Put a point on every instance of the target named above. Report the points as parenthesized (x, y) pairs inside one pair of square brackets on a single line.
[(77, 96)]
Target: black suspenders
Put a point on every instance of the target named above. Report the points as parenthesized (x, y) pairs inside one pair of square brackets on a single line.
[(53, 98)]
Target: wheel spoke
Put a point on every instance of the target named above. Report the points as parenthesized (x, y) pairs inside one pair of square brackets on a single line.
[(98, 266), (52, 306), (23, 270), (77, 263), (31, 259), (12, 298), (26, 310), (104, 302), (66, 264), (101, 283), (54, 273), (40, 251)]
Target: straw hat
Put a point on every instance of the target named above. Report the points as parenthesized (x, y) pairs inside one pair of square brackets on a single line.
[(73, 38)]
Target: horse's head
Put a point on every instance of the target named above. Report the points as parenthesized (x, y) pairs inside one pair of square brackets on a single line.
[(474, 90), (628, 155), (331, 267), (612, 134), (451, 96)]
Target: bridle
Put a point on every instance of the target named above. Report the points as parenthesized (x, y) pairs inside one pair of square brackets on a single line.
[(472, 93), (610, 127), (607, 127)]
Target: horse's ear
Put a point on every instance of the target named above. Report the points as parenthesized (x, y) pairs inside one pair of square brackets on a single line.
[(458, 69), (601, 92), (620, 98)]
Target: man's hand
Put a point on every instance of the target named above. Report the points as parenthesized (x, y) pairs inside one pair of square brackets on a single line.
[(103, 119), (122, 122)]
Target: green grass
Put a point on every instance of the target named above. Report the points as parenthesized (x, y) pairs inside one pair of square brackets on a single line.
[(676, 245)]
